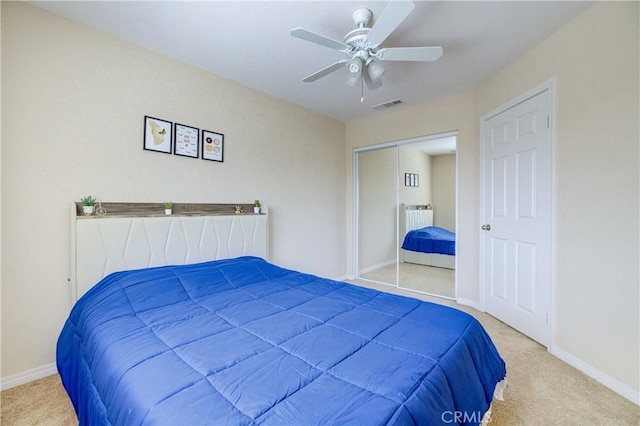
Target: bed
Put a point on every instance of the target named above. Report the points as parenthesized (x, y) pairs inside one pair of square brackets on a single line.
[(244, 341), (424, 243)]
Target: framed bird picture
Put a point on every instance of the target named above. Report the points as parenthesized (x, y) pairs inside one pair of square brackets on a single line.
[(157, 135)]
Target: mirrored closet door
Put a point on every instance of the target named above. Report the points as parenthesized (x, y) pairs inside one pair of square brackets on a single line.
[(415, 182), (377, 257), (427, 216)]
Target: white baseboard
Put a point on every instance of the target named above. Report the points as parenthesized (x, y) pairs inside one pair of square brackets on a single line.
[(378, 266), (469, 302), (27, 376), (613, 384)]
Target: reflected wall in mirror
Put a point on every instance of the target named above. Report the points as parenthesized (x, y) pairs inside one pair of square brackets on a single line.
[(377, 215), (428, 217)]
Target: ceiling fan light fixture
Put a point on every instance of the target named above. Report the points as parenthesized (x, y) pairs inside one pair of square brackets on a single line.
[(375, 70), (355, 66), (353, 80)]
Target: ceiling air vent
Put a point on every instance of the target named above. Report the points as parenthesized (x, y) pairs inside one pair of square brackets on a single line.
[(387, 105)]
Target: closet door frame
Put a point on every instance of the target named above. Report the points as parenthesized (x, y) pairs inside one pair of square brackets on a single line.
[(399, 181)]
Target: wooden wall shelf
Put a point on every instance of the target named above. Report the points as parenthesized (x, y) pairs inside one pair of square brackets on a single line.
[(157, 209)]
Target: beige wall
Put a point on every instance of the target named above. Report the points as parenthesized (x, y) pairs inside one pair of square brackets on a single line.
[(73, 106), (595, 60), (0, 197), (443, 183), (413, 161)]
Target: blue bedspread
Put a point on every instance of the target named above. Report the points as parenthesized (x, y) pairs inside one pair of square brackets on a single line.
[(242, 341), (430, 240)]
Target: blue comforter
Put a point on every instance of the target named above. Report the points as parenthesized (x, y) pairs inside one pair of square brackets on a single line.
[(430, 240), (243, 341)]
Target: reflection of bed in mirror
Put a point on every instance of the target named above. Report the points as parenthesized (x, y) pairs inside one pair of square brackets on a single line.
[(423, 243)]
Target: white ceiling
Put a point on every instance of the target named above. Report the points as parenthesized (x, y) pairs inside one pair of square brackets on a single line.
[(439, 146), (249, 42)]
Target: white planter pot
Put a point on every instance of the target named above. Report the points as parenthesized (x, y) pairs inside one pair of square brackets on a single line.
[(88, 210), (256, 210), (168, 211)]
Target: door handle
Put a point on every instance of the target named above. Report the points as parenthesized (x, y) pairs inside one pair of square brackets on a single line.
[(486, 227)]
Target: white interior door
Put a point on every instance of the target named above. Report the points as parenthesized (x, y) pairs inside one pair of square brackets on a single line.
[(517, 210)]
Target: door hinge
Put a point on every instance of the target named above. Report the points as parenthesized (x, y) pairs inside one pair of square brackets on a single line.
[(546, 319), (548, 121)]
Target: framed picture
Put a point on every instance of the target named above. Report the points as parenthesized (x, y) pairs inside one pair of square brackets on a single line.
[(157, 135), (212, 146), (186, 141), (411, 179)]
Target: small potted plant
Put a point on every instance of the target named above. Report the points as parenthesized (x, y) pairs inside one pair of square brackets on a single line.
[(256, 206), (88, 205), (168, 207)]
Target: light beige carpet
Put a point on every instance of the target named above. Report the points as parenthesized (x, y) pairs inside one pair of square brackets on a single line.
[(43, 402), (425, 279), (542, 389)]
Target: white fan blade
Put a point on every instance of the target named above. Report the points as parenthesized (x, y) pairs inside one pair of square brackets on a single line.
[(389, 19), (328, 70), (425, 54), (307, 35)]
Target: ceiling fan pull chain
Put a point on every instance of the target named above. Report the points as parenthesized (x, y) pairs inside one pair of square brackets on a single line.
[(361, 89)]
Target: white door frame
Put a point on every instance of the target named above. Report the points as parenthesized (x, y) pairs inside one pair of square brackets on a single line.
[(550, 86)]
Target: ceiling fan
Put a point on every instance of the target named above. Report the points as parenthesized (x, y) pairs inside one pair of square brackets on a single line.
[(362, 46)]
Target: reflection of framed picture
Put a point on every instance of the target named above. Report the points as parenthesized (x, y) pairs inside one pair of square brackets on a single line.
[(157, 135), (186, 140), (212, 146), (411, 179)]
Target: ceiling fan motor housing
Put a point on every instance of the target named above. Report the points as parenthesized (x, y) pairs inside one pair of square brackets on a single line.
[(359, 47), (361, 17), (357, 39)]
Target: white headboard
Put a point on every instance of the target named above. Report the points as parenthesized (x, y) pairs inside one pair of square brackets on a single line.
[(102, 245), (415, 217)]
